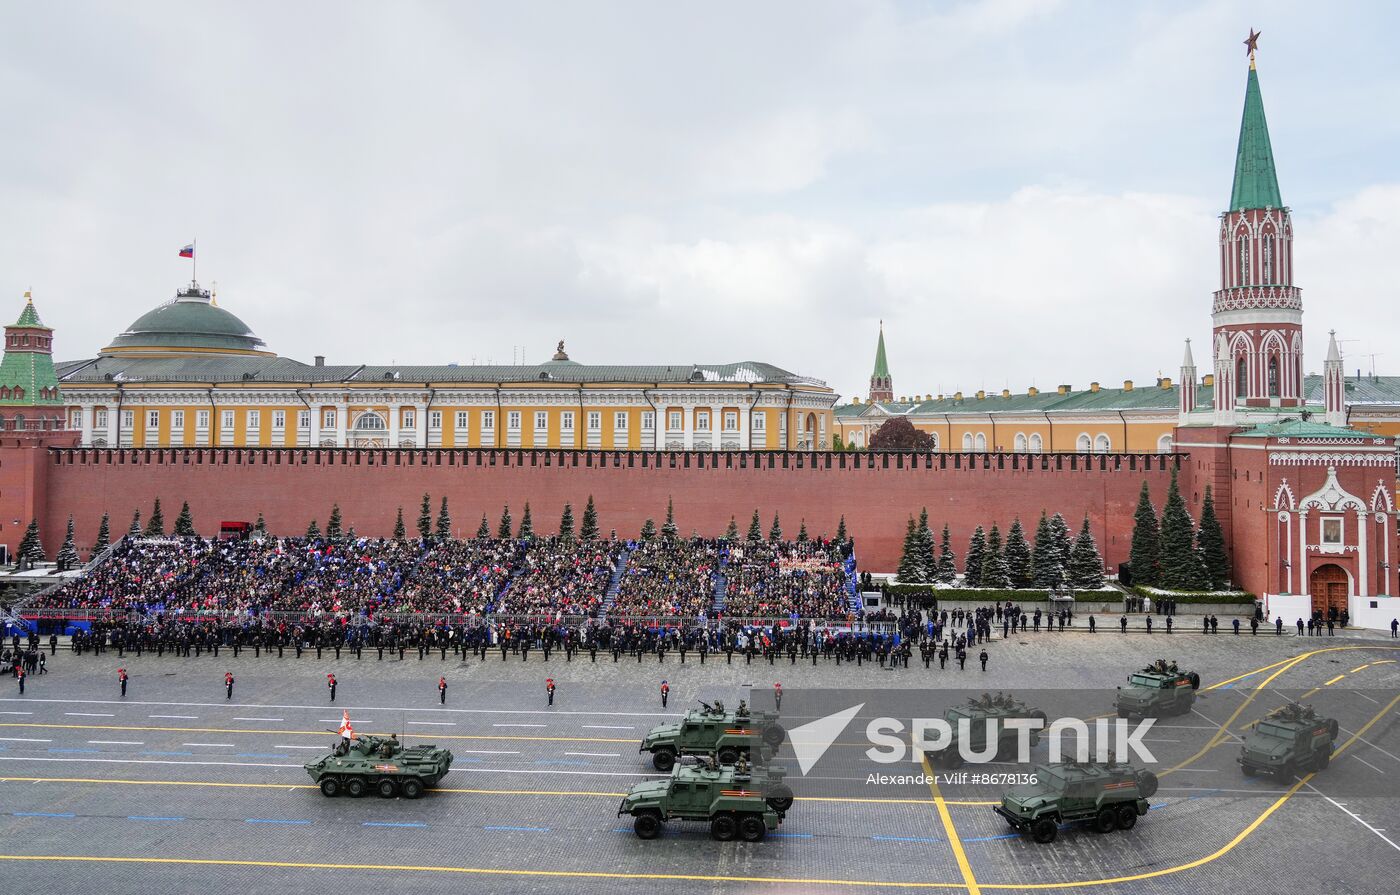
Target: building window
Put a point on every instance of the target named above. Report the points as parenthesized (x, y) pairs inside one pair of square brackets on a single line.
[(541, 421), (1020, 442), (77, 418), (177, 419), (760, 421), (410, 419), (279, 419), (488, 419), (967, 441), (648, 420), (673, 420), (226, 420), (702, 421), (1164, 444), (435, 419), (327, 420), (731, 421), (128, 419), (513, 421), (1036, 444), (101, 419), (1332, 531), (1268, 259), (620, 421), (1102, 444), (303, 419), (566, 421), (1241, 377), (153, 419), (461, 421), (1082, 444), (981, 442), (1273, 376), (1244, 260), (595, 420), (254, 419)]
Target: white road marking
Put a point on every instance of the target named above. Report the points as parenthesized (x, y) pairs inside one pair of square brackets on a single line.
[(285, 746), (541, 771), (608, 727), (181, 717), (219, 745), (595, 754), (258, 719), (365, 708), (23, 740), (229, 764), (16, 713), (1357, 818), (338, 720), (1368, 764), (90, 714), (435, 723), (484, 752), (519, 725), (117, 743)]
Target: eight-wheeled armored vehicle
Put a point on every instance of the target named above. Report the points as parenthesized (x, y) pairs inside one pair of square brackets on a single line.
[(381, 764)]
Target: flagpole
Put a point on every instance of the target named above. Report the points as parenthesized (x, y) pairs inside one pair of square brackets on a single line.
[(194, 261)]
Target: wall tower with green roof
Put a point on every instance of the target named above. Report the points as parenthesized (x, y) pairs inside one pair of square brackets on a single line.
[(29, 393), (881, 384), (1257, 342)]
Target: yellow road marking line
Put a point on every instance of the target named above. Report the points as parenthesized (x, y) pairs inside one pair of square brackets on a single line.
[(954, 840), (1334, 680), (443, 736), (1359, 668)]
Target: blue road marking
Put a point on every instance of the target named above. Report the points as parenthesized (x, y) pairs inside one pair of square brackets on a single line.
[(375, 823), (1229, 686), (41, 814), (255, 755), (265, 820), (621, 830), (167, 753), (1156, 807), (145, 817), (91, 751), (791, 835), (994, 838), (468, 760), (519, 829), (904, 839)]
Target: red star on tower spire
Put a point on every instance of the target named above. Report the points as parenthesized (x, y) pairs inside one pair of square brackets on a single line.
[(1251, 45)]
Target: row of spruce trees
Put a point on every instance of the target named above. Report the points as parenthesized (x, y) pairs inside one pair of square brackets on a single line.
[(1172, 552), (1055, 559)]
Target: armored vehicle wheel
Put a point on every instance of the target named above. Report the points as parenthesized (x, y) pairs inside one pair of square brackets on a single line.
[(1332, 728), (663, 760), (774, 733), (1248, 770), (752, 828), (728, 755), (354, 787), (723, 827), (1324, 757), (386, 788), (412, 789), (330, 787), (779, 797), (647, 825), (1106, 821), (1044, 830), (1037, 713), (1195, 681), (1127, 817), (1285, 773), (1147, 783)]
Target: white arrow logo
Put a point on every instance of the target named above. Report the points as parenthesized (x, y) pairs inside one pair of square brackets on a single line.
[(811, 740)]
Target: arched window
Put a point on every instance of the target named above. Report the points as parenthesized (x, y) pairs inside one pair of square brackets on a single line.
[(1268, 252), (1241, 377), (1102, 445), (1243, 242), (19, 393), (1164, 444), (1035, 443), (1082, 443), (981, 442), (370, 422), (1020, 442), (967, 441), (19, 421), (1273, 376), (933, 437)]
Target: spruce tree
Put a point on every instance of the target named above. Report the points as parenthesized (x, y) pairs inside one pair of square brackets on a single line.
[(909, 572), (588, 531), (1144, 555), (155, 526), (1210, 543), (401, 532), (1064, 544), (976, 550), (1018, 556), (775, 534), (841, 530), (731, 534), (947, 570), (755, 529), (1044, 572), (1181, 566), (67, 557), (527, 526), (503, 530), (350, 534), (104, 536), (31, 550), (927, 555), (668, 529), (566, 522), (425, 518), (135, 530), (333, 529), (313, 531), (1085, 563), (260, 527), (802, 531), (483, 531), (184, 523), (648, 530), (994, 572), (444, 521)]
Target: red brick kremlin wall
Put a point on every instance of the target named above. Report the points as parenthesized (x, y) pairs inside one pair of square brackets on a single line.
[(876, 493)]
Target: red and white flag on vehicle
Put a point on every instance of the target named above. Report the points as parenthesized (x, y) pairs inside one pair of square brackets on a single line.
[(346, 730)]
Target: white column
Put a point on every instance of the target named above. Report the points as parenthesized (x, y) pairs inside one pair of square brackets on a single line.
[(1288, 552), (1362, 579), (744, 408), (716, 427), (420, 424), (342, 412), (688, 426), (113, 421), (1303, 580), (85, 424), (394, 414), (314, 430)]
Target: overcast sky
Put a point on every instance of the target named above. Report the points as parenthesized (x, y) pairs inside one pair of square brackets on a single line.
[(1025, 192)]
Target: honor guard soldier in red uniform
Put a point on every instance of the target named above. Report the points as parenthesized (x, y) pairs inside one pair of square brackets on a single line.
[(777, 696), (228, 684), (330, 685), (549, 688), (665, 693), (121, 676), (442, 690)]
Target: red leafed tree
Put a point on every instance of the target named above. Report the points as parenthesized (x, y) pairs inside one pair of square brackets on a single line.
[(899, 434)]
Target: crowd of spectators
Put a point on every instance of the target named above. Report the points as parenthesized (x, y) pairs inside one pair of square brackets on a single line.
[(803, 579), (669, 578), (562, 577)]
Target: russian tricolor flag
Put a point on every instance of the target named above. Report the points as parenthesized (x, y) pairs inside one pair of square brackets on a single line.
[(187, 251)]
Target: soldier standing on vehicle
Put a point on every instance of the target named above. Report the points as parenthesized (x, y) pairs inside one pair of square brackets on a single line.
[(665, 693), (442, 690), (549, 688), (331, 685), (228, 685), (121, 676)]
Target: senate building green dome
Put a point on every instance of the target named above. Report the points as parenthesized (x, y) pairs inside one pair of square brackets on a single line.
[(189, 323)]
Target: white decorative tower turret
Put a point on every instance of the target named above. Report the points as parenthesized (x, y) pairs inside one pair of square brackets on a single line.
[(1188, 383), (1334, 384)]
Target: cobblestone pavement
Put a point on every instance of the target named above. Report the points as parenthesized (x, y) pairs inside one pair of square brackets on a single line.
[(133, 794)]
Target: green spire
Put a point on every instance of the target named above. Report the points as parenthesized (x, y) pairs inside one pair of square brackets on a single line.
[(882, 367), (30, 317), (1256, 182)]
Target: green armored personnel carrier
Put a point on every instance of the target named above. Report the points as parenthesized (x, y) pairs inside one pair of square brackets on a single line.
[(1289, 739), (978, 711), (731, 799), (712, 730), (1108, 797), (379, 763), (1159, 690)]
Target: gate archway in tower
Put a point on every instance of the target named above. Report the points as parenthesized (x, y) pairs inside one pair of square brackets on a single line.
[(1328, 585)]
